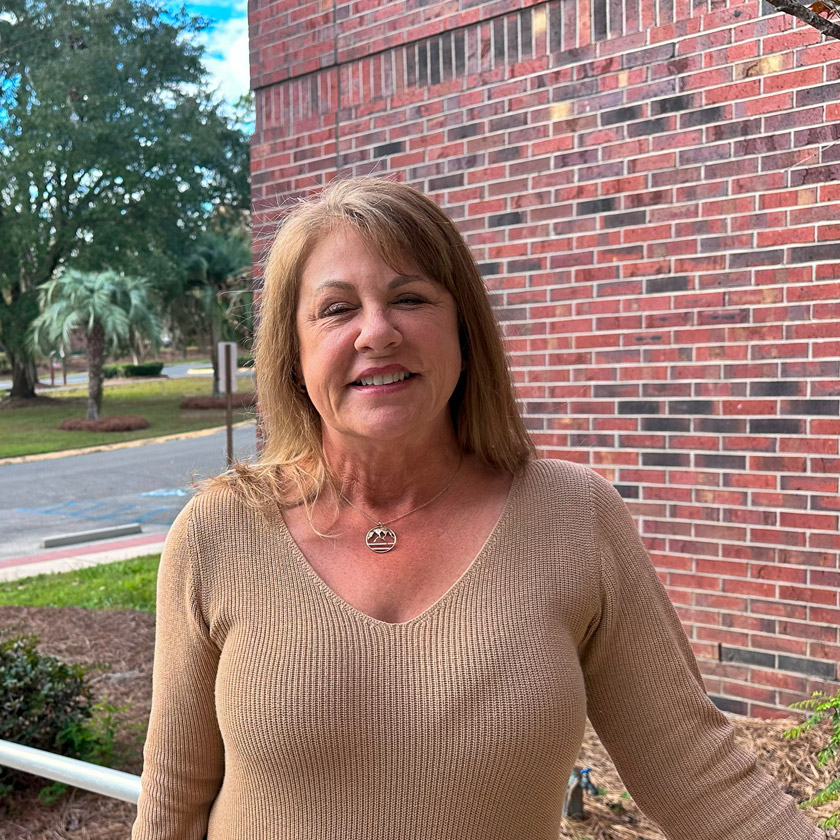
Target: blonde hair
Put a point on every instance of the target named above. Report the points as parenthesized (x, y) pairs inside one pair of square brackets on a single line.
[(404, 227)]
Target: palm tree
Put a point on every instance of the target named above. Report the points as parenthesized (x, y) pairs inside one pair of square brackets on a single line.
[(215, 297), (108, 307)]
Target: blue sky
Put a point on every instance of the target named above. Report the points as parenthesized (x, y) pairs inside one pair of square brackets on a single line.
[(226, 44)]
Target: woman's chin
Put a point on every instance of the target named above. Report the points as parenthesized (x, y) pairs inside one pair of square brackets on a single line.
[(393, 425)]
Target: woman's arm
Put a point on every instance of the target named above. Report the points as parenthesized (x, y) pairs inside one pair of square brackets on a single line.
[(183, 757), (674, 750)]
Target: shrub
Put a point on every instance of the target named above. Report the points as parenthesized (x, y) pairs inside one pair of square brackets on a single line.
[(45, 703), (238, 400), (143, 369), (824, 710), (244, 361), (128, 370), (117, 423)]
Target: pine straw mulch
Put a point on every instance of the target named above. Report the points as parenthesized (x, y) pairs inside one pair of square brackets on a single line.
[(241, 399), (113, 423), (121, 643)]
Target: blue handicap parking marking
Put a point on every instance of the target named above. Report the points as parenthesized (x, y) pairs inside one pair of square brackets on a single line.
[(166, 492), (141, 509)]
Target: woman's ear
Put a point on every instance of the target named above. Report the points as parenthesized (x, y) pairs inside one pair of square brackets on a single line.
[(297, 379)]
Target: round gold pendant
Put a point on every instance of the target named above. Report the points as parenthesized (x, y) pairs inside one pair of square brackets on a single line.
[(380, 539)]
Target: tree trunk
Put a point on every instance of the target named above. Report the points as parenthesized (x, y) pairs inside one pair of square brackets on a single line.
[(24, 378), (95, 357), (15, 317)]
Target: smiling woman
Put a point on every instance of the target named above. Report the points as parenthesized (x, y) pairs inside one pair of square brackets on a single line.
[(379, 350), (316, 677)]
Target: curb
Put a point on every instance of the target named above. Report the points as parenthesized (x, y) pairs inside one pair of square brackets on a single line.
[(128, 444)]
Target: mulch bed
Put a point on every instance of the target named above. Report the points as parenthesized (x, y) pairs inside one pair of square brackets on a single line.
[(241, 399), (115, 423), (122, 644)]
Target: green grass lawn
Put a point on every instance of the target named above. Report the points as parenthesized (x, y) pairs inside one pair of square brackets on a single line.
[(30, 430), (126, 585)]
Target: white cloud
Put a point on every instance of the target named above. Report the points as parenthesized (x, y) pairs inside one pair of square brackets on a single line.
[(226, 57)]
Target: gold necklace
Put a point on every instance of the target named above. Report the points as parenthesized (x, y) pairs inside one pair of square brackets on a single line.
[(382, 538)]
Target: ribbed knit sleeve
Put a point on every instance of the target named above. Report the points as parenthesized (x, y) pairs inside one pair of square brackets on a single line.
[(674, 750), (183, 756)]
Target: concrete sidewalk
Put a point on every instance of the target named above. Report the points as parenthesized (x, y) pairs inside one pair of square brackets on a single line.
[(80, 556)]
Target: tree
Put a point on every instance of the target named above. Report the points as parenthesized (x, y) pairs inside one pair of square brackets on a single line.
[(111, 151), (215, 301), (108, 307)]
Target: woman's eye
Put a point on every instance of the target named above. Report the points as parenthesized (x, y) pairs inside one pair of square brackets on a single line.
[(335, 309), (410, 300)]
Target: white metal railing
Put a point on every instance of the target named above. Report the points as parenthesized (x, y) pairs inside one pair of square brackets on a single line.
[(71, 771)]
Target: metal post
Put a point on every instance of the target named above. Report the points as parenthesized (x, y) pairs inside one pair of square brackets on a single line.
[(229, 394)]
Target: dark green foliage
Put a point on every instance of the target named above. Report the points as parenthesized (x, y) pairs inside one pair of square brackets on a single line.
[(244, 361), (215, 302), (825, 712), (143, 369), (114, 154), (47, 704)]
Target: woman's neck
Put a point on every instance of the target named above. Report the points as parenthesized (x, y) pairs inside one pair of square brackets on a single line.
[(387, 479)]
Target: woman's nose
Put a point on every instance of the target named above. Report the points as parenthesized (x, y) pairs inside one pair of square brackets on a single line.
[(377, 331)]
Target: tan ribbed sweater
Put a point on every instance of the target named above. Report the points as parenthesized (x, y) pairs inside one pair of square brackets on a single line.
[(280, 712)]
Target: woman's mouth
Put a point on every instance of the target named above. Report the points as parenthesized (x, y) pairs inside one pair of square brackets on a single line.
[(384, 379)]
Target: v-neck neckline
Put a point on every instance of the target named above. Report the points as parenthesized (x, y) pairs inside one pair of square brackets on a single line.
[(477, 562)]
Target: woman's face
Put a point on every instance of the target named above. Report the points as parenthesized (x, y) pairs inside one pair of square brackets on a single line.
[(379, 349)]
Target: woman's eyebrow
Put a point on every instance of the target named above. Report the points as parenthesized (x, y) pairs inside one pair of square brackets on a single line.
[(399, 280), (402, 279), (333, 284)]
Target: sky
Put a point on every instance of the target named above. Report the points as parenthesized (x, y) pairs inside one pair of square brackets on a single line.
[(226, 43)]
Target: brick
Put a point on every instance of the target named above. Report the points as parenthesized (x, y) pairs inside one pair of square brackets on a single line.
[(621, 115), (815, 253), (728, 704), (747, 656), (818, 94), (813, 667), (652, 126)]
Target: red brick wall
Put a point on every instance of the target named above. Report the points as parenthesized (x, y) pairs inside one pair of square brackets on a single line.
[(652, 190)]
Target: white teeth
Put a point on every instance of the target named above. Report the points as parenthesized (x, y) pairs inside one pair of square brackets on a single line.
[(385, 379)]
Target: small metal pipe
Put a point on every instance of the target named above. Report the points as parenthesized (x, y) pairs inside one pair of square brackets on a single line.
[(71, 771)]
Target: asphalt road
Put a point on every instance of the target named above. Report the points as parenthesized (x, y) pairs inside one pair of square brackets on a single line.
[(147, 484)]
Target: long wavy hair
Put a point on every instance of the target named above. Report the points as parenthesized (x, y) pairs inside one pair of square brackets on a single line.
[(405, 228)]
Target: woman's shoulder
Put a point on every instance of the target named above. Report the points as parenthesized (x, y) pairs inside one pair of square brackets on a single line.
[(557, 473), (214, 508), (570, 487)]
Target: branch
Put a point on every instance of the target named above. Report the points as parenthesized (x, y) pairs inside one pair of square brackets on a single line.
[(791, 7)]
